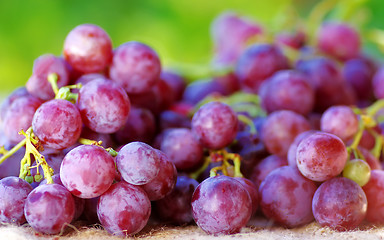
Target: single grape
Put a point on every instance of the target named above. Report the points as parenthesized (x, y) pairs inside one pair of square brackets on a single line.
[(88, 48), (378, 83), (172, 119), (340, 204), (19, 116), (215, 125), (138, 163), (57, 123), (200, 89), (265, 166), (231, 34), (13, 193), (87, 171), (11, 165), (286, 197), (374, 190), (140, 126), (339, 40), (135, 66), (38, 84), (291, 155), (49, 208), (221, 205), (104, 106), (340, 121), (287, 90), (357, 170), (321, 156), (16, 94), (183, 149), (176, 207), (165, 180), (280, 129), (176, 82), (124, 209), (253, 191), (257, 63)]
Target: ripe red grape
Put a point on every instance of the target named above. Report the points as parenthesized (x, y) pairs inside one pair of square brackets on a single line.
[(374, 190), (321, 156), (88, 48), (38, 84), (265, 166), (221, 205), (280, 129), (286, 197), (358, 73), (104, 106), (340, 204), (87, 171), (339, 40), (215, 125), (124, 209), (135, 66), (176, 206), (182, 148), (49, 208), (138, 163), (340, 121), (57, 123), (13, 193)]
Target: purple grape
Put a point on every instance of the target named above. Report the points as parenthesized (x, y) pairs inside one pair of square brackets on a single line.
[(176, 207), (16, 94), (176, 83), (138, 163), (253, 191), (87, 171), (231, 34), (291, 155), (339, 40), (358, 73), (88, 48), (340, 204), (13, 193), (183, 149), (200, 89), (104, 106), (378, 83), (265, 166), (257, 63), (11, 165), (124, 209), (140, 126), (280, 129), (288, 90), (321, 156), (215, 125), (19, 116), (340, 121), (49, 208), (135, 66), (172, 119), (221, 205), (286, 197), (57, 123), (164, 182), (38, 84), (374, 190)]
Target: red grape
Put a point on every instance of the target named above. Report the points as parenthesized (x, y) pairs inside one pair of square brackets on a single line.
[(374, 190)]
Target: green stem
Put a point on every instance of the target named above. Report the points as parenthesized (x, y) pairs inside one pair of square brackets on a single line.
[(198, 172), (52, 79), (13, 150), (248, 122), (358, 136), (375, 107)]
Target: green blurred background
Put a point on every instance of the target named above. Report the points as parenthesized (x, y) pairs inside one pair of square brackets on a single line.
[(177, 29)]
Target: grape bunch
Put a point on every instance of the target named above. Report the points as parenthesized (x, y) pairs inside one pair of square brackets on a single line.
[(288, 126)]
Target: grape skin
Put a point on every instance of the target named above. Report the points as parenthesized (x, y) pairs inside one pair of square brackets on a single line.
[(374, 190), (321, 156), (340, 204), (124, 209), (215, 125), (138, 163), (182, 148), (104, 106), (286, 197), (176, 206), (87, 171), (221, 205), (57, 123), (49, 208), (13, 193), (135, 66), (265, 166), (88, 48)]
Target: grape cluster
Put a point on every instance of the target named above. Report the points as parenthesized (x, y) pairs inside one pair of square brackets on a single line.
[(288, 126)]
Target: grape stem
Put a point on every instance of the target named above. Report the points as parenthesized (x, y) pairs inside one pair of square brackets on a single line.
[(110, 150)]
